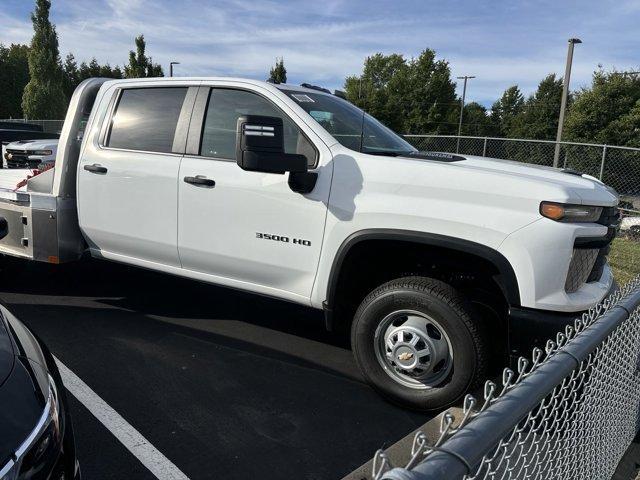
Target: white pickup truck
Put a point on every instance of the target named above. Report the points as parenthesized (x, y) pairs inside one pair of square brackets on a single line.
[(440, 265), (30, 154)]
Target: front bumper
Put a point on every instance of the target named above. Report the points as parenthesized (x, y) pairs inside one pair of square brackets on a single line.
[(541, 255), (529, 328), (18, 159)]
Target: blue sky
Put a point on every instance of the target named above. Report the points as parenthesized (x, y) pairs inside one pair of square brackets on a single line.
[(501, 42)]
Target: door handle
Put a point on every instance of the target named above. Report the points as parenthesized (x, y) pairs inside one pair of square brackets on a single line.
[(95, 168), (200, 180)]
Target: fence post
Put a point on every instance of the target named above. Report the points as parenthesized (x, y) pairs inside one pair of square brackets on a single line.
[(604, 157), (484, 147)]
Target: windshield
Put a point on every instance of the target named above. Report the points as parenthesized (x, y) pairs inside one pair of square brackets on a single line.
[(349, 125)]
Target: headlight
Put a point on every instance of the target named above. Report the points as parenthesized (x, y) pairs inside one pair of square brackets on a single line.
[(562, 212), (46, 430), (42, 152)]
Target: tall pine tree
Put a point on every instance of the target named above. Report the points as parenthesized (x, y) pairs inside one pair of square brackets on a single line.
[(140, 65), (44, 96), (278, 73), (505, 110), (539, 116)]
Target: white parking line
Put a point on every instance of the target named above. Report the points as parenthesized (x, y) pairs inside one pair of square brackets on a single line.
[(133, 440)]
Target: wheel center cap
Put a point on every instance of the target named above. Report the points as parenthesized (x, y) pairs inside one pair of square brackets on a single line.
[(405, 356)]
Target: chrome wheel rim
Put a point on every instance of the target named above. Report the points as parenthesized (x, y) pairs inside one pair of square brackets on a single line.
[(413, 349)]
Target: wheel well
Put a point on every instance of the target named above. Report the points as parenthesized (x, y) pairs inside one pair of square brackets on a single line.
[(369, 263)]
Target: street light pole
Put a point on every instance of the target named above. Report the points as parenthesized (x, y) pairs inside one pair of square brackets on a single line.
[(565, 95), (171, 67), (464, 94)]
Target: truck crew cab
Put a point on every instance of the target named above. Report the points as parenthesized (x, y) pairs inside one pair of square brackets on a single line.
[(438, 264)]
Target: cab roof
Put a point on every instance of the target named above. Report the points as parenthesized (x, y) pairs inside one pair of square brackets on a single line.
[(280, 86)]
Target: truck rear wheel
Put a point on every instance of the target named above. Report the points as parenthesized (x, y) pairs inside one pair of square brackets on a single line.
[(419, 343)]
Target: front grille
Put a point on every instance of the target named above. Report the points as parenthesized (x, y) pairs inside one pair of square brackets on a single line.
[(580, 269), (610, 217), (20, 159), (590, 254)]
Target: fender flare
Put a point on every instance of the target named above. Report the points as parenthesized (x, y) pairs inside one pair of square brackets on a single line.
[(506, 278)]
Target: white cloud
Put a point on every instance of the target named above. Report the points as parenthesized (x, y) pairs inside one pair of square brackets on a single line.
[(323, 42)]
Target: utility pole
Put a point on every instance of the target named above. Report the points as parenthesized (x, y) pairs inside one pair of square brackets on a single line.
[(171, 67), (565, 96), (464, 94)]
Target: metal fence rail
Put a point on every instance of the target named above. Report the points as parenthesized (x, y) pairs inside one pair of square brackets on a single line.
[(49, 126), (615, 166), (570, 413)]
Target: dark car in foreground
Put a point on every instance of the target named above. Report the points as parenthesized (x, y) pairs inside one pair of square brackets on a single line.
[(36, 436)]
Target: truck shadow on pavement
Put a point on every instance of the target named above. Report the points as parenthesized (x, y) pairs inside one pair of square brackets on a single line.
[(225, 384)]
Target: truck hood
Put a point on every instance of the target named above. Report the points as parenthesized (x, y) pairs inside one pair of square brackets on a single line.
[(586, 189), (47, 144)]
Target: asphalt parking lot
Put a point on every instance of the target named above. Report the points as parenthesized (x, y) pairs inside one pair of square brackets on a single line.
[(224, 384)]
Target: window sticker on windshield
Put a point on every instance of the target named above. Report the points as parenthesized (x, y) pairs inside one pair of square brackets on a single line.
[(302, 98), (321, 116)]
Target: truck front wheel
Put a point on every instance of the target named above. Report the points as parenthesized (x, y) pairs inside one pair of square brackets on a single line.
[(419, 343)]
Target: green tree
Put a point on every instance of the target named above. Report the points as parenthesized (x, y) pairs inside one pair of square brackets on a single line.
[(476, 120), (278, 74), (380, 89), (607, 112), (44, 96), (434, 104), (74, 74), (409, 96), (14, 76), (70, 75), (140, 65), (505, 110), (539, 117)]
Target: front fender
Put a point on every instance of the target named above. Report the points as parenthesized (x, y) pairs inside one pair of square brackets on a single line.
[(507, 279)]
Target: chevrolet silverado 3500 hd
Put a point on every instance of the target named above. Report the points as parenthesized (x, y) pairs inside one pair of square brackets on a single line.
[(438, 264)]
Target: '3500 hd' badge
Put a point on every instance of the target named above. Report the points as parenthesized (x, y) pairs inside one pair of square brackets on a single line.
[(283, 238)]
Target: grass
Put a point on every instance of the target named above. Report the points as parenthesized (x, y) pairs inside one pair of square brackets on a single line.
[(625, 259)]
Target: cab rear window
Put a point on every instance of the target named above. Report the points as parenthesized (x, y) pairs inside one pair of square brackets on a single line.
[(145, 119)]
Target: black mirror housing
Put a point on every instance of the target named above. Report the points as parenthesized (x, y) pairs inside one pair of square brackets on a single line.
[(260, 146)]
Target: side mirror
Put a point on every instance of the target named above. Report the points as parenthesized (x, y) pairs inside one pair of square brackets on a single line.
[(260, 146)]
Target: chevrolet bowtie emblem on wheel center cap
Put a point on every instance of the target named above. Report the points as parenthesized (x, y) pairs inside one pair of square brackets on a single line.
[(405, 356)]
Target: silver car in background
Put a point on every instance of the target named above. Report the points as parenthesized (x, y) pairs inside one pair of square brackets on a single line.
[(30, 154)]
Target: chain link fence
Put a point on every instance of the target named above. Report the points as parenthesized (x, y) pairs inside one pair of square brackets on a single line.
[(618, 167), (49, 126), (569, 413)]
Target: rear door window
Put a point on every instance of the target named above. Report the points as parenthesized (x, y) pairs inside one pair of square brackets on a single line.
[(146, 119)]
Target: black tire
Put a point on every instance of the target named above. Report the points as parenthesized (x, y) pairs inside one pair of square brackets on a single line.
[(454, 314)]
